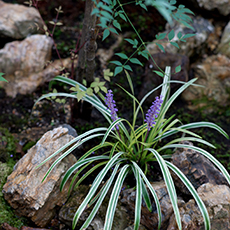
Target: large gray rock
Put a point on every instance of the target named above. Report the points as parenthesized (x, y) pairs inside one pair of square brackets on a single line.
[(213, 74), (24, 190), (27, 56), (23, 63), (18, 21), (193, 45), (224, 47), (197, 168), (217, 201), (215, 197), (223, 6), (191, 217)]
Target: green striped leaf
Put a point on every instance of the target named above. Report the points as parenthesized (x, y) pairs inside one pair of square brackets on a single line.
[(94, 187), (111, 127), (194, 125), (138, 198), (153, 90), (193, 139), (173, 98), (88, 173), (100, 199), (114, 197), (169, 184), (78, 138), (146, 196), (152, 192), (77, 165), (206, 154), (192, 190), (68, 152)]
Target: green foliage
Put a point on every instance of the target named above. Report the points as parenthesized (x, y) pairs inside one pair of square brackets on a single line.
[(109, 10), (97, 86), (107, 74), (2, 78), (61, 101), (131, 151)]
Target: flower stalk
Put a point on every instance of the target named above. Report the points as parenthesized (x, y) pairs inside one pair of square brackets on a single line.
[(152, 114), (111, 104)]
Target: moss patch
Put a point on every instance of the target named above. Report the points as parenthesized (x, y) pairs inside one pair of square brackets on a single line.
[(7, 145), (6, 212)]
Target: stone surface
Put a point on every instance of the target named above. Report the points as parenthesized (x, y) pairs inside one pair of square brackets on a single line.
[(29, 228), (24, 190), (213, 74), (191, 217), (141, 227), (30, 54), (197, 168), (6, 226), (23, 61), (193, 45), (217, 201), (22, 67), (68, 210), (150, 220), (71, 130), (224, 47), (223, 6), (18, 21), (151, 80)]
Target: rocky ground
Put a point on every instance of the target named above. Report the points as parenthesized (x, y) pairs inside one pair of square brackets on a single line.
[(27, 123)]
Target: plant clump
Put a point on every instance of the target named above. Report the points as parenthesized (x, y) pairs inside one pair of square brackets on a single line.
[(130, 151)]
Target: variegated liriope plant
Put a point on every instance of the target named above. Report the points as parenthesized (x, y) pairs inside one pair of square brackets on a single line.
[(131, 150)]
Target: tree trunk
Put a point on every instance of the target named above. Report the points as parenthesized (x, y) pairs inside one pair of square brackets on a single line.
[(88, 41), (86, 60)]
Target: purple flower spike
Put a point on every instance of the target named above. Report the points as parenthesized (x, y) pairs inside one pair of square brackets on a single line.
[(153, 112), (111, 105)]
